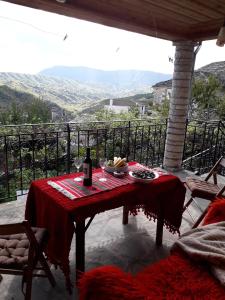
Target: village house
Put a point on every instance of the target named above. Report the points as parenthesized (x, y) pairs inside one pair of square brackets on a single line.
[(162, 90), (125, 105)]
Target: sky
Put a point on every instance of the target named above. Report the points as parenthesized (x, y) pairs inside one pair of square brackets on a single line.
[(33, 40)]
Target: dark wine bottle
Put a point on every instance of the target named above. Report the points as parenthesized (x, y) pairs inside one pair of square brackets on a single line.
[(87, 169)]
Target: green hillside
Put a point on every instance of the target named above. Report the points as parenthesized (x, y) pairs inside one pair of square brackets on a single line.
[(9, 95), (21, 103), (67, 94)]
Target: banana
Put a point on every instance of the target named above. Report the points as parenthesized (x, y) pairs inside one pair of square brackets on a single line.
[(116, 160), (120, 163)]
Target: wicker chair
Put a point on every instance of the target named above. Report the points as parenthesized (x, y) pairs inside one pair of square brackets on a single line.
[(21, 253), (206, 189)]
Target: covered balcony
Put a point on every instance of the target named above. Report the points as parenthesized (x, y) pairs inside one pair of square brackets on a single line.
[(38, 151), (177, 145)]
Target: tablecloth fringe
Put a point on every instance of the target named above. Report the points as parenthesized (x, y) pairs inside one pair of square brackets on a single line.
[(152, 216)]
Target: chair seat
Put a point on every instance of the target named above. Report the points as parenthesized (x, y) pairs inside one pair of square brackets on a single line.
[(14, 248), (202, 189)]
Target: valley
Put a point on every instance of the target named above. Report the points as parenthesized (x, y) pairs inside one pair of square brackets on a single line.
[(78, 91)]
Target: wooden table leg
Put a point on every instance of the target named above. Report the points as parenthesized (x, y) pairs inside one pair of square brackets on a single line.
[(80, 248), (125, 214), (159, 227)]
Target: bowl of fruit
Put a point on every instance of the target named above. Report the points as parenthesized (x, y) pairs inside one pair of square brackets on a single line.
[(118, 165), (143, 176)]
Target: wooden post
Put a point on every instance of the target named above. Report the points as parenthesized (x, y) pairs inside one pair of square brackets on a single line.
[(178, 112), (80, 248), (125, 215)]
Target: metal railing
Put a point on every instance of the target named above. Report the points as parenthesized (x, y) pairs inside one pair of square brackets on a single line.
[(204, 145), (29, 152)]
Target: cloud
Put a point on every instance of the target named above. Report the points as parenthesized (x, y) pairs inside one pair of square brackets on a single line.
[(34, 40)]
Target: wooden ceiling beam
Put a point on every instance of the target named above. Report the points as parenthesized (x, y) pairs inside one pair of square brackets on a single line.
[(206, 30), (178, 9), (133, 9), (203, 8), (154, 18)]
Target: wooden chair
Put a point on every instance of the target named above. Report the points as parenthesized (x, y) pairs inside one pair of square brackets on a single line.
[(21, 253), (205, 189)]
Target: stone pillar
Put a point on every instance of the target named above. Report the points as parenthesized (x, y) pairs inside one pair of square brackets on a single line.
[(178, 112)]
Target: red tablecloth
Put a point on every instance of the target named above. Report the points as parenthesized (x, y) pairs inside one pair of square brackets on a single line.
[(47, 207)]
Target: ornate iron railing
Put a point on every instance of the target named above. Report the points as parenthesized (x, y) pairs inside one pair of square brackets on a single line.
[(29, 152), (204, 145)]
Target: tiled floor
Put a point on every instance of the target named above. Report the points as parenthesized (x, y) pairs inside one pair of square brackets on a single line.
[(107, 242)]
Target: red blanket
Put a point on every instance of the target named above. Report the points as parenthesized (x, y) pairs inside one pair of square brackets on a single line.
[(47, 207), (175, 277)]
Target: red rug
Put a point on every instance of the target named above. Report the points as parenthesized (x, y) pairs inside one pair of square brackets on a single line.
[(216, 211), (173, 278)]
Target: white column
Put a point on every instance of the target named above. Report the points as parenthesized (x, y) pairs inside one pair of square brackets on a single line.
[(178, 112)]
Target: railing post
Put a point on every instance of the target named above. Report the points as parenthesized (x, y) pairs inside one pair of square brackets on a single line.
[(128, 141), (6, 165), (33, 156), (216, 146), (202, 148), (164, 142), (20, 164), (105, 144), (68, 147)]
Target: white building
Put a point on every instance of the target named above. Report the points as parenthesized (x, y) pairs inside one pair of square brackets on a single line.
[(117, 108)]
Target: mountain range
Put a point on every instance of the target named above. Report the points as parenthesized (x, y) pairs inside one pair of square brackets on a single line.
[(119, 79), (75, 96)]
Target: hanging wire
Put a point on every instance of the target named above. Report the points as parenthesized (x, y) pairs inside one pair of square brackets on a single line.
[(65, 36)]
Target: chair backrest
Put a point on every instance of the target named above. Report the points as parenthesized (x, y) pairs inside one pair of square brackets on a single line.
[(222, 163), (8, 229), (24, 253), (220, 193), (214, 171)]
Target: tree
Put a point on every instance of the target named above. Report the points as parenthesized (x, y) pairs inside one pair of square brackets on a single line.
[(4, 116), (134, 111), (105, 115), (163, 108), (205, 97), (221, 108), (15, 114), (38, 111), (34, 111), (109, 115)]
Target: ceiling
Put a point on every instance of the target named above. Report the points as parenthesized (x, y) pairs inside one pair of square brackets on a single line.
[(173, 20)]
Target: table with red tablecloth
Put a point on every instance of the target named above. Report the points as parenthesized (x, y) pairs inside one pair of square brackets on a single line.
[(160, 199)]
